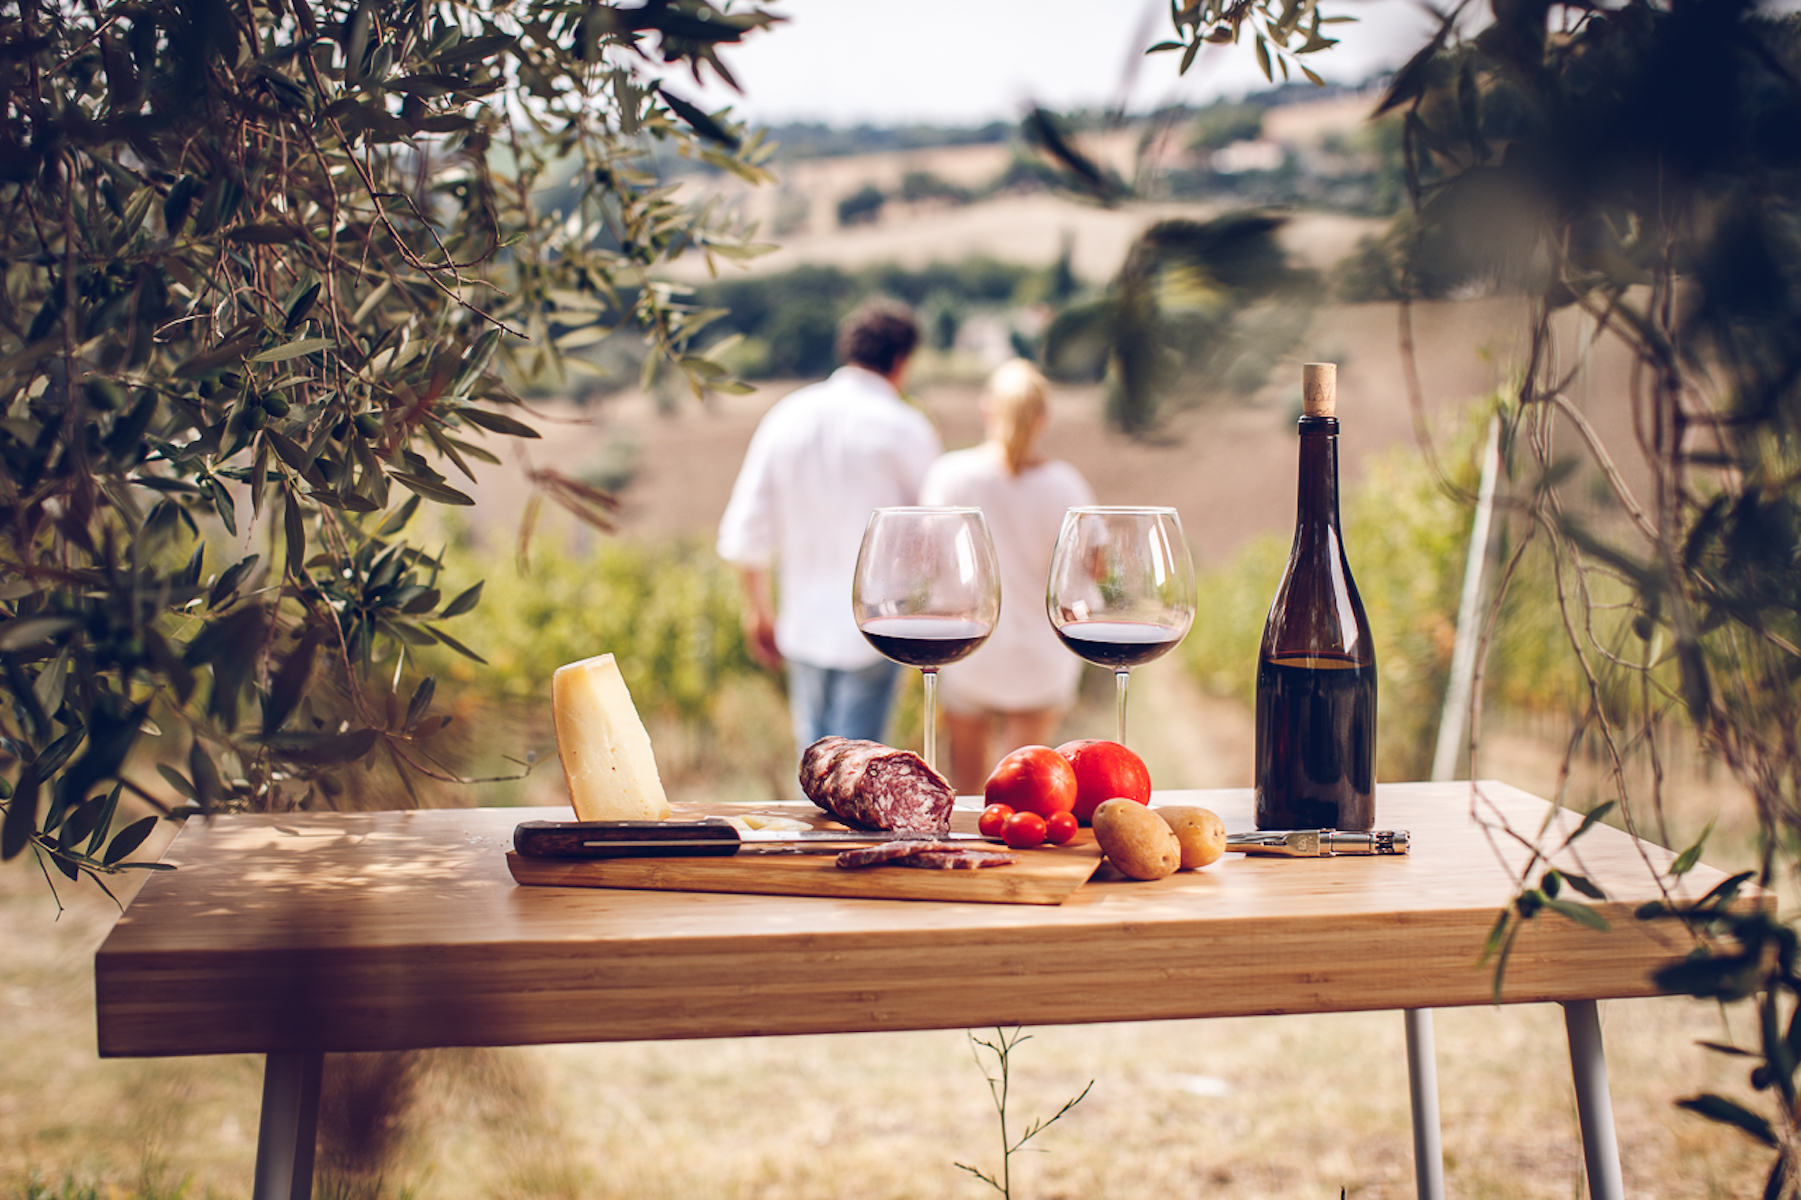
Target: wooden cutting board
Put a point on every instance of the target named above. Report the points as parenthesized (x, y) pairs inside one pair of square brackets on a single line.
[(1041, 876)]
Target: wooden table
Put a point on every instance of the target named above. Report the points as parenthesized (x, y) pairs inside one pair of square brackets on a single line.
[(295, 935)]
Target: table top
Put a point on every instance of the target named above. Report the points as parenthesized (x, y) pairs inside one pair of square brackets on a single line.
[(396, 930)]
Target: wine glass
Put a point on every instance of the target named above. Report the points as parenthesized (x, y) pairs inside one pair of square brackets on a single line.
[(1121, 588), (927, 592)]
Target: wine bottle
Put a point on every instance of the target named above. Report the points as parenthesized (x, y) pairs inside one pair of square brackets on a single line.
[(1316, 669)]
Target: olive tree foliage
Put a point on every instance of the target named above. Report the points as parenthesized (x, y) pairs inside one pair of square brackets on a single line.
[(1635, 171), (1280, 31), (1194, 304), (273, 271)]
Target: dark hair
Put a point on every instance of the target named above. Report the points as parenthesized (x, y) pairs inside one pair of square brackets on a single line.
[(879, 335)]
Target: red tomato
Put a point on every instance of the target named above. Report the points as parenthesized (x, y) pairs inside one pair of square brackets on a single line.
[(1033, 779), (993, 820), (1024, 830), (1060, 827), (1103, 771)]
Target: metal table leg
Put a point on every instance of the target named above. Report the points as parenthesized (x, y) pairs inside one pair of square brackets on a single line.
[(290, 1121), (1422, 1088), (1594, 1109)]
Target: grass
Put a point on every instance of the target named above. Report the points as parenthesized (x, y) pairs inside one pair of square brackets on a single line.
[(1295, 1106)]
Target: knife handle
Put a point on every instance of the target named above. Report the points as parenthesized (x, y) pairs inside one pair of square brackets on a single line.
[(625, 839)]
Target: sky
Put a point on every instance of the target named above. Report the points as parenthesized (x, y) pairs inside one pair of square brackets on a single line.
[(964, 62)]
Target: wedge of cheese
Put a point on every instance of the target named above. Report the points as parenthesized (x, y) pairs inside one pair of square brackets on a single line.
[(605, 750)]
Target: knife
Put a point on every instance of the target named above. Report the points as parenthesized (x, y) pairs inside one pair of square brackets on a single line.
[(1318, 843), (710, 838)]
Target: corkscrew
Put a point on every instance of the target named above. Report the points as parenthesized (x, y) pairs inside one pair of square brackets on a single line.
[(1318, 843)]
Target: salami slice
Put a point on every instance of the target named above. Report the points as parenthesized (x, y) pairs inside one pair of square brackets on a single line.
[(961, 859), (875, 856), (872, 786), (933, 856)]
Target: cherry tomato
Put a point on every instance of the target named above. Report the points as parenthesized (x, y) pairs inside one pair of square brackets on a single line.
[(993, 820), (1023, 830), (1060, 827)]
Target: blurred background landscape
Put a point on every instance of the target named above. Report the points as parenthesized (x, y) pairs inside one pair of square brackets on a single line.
[(971, 224)]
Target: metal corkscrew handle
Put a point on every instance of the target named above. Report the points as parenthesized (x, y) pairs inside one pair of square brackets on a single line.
[(1375, 841), (1320, 843)]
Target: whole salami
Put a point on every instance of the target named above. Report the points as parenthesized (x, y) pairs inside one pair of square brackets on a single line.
[(872, 786)]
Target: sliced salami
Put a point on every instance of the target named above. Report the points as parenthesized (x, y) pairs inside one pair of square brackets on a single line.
[(872, 786), (962, 858), (932, 856), (875, 856)]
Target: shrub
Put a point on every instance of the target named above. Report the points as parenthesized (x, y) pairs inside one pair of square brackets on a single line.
[(669, 612)]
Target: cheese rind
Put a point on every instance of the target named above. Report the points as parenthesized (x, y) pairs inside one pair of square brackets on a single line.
[(604, 746)]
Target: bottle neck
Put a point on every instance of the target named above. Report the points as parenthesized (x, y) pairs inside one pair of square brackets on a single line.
[(1316, 504)]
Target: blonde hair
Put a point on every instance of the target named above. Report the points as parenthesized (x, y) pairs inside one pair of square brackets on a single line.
[(1014, 409)]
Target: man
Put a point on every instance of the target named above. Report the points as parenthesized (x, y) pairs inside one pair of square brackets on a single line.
[(821, 461)]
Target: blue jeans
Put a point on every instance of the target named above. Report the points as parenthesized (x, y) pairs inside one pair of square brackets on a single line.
[(824, 701)]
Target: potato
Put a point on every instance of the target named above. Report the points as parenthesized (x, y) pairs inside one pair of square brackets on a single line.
[(1136, 840), (1200, 831)]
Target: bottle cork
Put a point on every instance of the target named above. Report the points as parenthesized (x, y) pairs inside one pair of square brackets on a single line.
[(1319, 389)]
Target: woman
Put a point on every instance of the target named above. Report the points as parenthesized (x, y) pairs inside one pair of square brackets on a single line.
[(1022, 678)]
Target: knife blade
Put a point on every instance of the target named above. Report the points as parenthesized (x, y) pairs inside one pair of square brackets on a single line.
[(710, 838), (1319, 843)]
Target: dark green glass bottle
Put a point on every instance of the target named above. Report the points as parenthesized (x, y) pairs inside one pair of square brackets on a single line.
[(1316, 669)]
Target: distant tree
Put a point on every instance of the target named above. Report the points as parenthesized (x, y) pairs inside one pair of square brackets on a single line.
[(863, 206), (1219, 125), (800, 336), (271, 273), (789, 318), (920, 186), (1024, 174), (803, 139), (943, 320), (1061, 284)]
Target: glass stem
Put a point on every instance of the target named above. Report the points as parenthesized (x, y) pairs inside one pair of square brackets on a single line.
[(930, 675), (1121, 676)]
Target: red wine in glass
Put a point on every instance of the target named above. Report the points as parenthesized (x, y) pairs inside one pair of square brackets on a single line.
[(1121, 589), (1119, 644), (926, 592), (924, 641), (1316, 741)]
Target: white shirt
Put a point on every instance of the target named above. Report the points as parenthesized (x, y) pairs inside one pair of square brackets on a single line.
[(821, 461), (1022, 666)]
